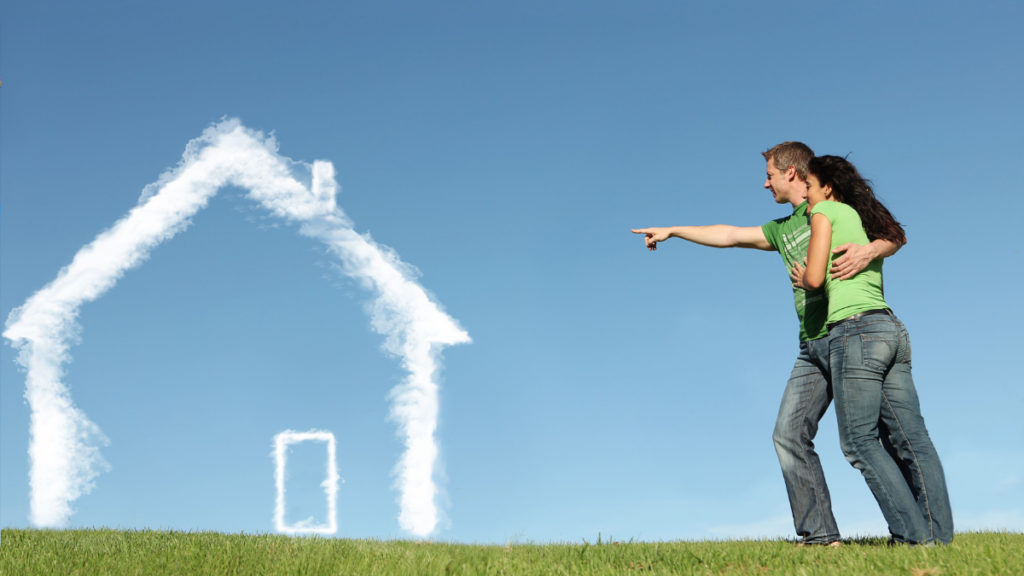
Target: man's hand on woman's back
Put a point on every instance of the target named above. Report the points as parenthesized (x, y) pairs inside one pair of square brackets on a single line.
[(857, 257)]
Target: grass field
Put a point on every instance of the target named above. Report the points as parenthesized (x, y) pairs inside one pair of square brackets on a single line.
[(28, 552)]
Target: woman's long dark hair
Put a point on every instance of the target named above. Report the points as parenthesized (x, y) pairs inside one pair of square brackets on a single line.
[(852, 189)]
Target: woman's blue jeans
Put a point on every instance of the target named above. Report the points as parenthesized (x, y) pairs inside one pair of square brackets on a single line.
[(870, 365)]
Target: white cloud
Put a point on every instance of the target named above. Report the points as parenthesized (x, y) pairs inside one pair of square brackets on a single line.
[(64, 444), (330, 483)]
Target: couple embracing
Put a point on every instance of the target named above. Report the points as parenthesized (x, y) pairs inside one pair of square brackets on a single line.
[(852, 347)]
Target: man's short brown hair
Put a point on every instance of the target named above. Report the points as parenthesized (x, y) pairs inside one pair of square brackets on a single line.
[(795, 154)]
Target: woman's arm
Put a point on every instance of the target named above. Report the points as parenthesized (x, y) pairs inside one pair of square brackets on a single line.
[(818, 251)]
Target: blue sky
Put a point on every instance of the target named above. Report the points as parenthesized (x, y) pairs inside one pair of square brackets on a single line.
[(505, 150)]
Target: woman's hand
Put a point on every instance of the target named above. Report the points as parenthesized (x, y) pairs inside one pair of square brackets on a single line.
[(796, 274)]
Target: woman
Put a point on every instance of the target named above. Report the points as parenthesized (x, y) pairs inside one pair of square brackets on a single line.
[(869, 356)]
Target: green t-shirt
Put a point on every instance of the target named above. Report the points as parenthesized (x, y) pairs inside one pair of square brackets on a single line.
[(863, 291), (790, 236)]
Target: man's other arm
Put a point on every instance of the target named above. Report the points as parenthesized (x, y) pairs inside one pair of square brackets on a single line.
[(717, 236), (857, 257)]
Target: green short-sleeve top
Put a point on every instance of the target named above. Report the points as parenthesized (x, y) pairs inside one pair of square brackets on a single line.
[(862, 292)]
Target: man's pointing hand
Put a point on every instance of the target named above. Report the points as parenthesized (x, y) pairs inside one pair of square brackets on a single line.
[(653, 236)]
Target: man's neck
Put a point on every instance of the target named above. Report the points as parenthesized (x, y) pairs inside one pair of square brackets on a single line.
[(797, 199)]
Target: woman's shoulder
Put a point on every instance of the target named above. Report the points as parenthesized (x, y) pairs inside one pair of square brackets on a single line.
[(832, 208), (827, 208)]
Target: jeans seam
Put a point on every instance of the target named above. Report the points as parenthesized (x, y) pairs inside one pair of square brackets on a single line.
[(853, 446), (899, 335), (803, 419)]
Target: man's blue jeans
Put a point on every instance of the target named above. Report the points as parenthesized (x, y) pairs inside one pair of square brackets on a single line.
[(807, 396), (870, 369)]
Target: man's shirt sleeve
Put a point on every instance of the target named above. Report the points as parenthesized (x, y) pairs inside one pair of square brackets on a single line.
[(772, 230)]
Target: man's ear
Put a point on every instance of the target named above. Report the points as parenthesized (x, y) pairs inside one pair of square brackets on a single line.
[(791, 173)]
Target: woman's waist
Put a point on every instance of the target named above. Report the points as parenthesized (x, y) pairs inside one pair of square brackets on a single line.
[(845, 301)]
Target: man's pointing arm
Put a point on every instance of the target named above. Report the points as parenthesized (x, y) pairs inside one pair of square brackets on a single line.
[(717, 236)]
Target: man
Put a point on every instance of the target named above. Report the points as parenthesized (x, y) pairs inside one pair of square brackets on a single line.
[(809, 390)]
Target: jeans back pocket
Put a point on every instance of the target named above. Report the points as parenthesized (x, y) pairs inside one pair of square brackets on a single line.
[(877, 350)]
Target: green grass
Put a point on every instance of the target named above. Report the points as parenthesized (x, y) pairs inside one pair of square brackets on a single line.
[(27, 552)]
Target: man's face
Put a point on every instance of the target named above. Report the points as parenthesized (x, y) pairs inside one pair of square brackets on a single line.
[(778, 183)]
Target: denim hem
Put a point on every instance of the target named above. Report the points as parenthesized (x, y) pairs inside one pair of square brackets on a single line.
[(821, 540)]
